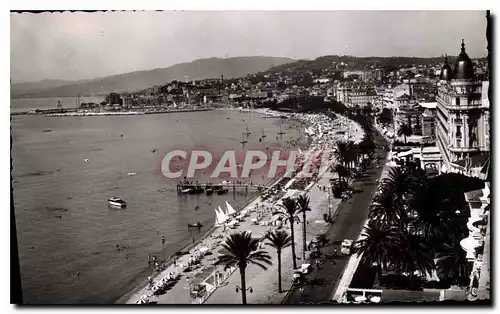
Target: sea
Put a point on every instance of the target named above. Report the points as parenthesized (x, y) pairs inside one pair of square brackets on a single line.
[(74, 249)]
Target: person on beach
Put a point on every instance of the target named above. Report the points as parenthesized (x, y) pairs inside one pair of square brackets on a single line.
[(162, 240), (193, 241)]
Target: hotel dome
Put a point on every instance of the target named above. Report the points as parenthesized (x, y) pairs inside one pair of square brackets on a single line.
[(464, 69)]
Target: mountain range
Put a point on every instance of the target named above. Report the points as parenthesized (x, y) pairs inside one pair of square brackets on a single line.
[(133, 81)]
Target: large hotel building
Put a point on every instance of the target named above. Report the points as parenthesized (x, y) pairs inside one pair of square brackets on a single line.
[(463, 119)]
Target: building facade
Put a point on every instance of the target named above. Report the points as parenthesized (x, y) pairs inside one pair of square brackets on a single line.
[(462, 118)]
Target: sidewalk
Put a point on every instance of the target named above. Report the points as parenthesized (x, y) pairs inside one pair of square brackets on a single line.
[(265, 282)]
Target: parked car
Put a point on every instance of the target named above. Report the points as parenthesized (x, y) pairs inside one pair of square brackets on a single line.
[(198, 290), (346, 247)]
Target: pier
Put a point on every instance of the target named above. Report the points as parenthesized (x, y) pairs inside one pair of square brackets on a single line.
[(218, 188)]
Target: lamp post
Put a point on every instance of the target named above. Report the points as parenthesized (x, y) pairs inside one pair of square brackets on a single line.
[(238, 288)]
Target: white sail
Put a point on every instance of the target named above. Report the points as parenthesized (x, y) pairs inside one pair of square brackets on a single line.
[(230, 209), (223, 215)]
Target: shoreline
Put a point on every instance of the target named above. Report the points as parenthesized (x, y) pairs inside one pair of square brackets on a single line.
[(304, 119), (76, 113)]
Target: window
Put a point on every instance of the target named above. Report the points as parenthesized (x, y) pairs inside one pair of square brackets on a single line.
[(457, 101)]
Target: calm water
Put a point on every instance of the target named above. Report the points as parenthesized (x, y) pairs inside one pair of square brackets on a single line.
[(64, 225)]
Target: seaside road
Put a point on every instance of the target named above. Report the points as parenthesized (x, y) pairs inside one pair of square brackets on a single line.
[(348, 224), (265, 282)]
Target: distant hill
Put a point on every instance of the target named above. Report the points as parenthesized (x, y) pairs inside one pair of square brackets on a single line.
[(19, 88), (133, 81), (357, 63)]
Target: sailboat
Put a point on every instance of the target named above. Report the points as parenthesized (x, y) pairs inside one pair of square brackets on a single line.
[(281, 131), (221, 217), (243, 141), (247, 130), (230, 209)]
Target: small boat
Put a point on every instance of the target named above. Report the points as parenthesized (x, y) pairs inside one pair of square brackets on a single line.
[(209, 191), (131, 173), (196, 190), (153, 150), (186, 191), (243, 141), (117, 202), (47, 130), (195, 225), (247, 131)]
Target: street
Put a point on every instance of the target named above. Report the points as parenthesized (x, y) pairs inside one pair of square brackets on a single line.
[(351, 215)]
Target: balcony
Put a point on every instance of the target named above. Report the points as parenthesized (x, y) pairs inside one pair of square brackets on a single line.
[(470, 106), (457, 149), (469, 245)]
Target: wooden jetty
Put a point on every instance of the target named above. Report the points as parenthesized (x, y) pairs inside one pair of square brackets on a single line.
[(218, 188)]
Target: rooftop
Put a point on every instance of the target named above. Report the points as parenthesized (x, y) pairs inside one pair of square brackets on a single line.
[(428, 105)]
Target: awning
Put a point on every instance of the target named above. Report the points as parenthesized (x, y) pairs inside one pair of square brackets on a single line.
[(469, 244), (405, 154)]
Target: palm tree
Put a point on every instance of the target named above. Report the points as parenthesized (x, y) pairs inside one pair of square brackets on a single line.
[(384, 209), (379, 241), (279, 239), (452, 264), (342, 172), (289, 210), (352, 153), (414, 254), (341, 153), (303, 207), (240, 249), (404, 130), (398, 186)]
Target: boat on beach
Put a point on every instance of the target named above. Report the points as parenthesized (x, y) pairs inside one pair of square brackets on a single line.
[(117, 202), (195, 225), (185, 191), (222, 191)]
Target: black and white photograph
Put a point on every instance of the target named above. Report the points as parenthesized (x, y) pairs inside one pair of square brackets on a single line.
[(191, 157)]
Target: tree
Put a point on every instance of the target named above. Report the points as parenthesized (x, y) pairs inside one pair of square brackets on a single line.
[(378, 243), (384, 209), (386, 117), (341, 154), (342, 172), (452, 264), (404, 130), (414, 254), (367, 145), (279, 239), (352, 152), (289, 210), (401, 183), (240, 249), (303, 207)]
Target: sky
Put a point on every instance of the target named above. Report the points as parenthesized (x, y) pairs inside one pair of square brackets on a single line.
[(74, 46)]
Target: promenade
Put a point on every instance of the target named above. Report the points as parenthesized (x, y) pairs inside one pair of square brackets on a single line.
[(264, 283), (348, 224)]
